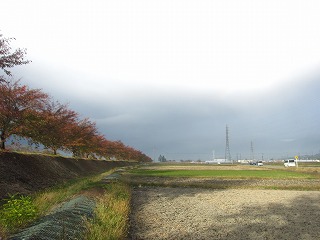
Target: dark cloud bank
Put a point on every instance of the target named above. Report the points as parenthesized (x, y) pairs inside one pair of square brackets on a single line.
[(280, 122)]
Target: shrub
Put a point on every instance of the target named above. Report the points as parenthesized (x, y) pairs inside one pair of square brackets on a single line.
[(17, 211)]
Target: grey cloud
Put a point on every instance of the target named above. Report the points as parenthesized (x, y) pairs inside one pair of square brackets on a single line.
[(190, 125)]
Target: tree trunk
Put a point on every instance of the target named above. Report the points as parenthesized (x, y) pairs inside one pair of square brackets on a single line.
[(2, 140), (54, 151)]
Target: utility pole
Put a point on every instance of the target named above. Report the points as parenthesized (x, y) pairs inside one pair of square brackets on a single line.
[(252, 153), (227, 153)]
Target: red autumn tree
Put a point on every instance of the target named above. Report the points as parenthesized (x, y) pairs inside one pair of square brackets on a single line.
[(53, 126), (10, 58), (136, 155), (144, 158), (18, 103), (95, 147), (116, 150), (119, 150), (108, 149), (83, 138), (103, 150)]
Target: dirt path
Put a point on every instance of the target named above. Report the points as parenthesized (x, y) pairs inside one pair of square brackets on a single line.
[(192, 213)]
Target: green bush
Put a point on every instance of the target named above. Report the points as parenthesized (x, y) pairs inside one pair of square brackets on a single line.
[(17, 211)]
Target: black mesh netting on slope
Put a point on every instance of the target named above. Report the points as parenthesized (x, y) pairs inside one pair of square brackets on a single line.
[(67, 222)]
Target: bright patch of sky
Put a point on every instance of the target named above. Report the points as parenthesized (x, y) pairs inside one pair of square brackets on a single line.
[(218, 45)]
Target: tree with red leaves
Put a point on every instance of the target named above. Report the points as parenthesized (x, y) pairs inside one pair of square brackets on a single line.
[(53, 126), (10, 58), (18, 104), (83, 138)]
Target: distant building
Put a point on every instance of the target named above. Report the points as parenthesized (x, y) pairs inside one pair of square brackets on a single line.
[(216, 161)]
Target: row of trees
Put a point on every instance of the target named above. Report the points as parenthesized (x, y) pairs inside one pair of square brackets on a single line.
[(33, 115)]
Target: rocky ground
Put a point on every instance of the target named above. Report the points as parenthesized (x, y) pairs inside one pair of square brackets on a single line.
[(195, 213)]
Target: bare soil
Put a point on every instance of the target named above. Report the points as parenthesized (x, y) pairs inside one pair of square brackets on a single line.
[(220, 208), (195, 213)]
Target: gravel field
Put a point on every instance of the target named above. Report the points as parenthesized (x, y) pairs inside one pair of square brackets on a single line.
[(194, 213)]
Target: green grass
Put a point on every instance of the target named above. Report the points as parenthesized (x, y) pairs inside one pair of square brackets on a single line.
[(19, 211), (111, 214), (268, 174)]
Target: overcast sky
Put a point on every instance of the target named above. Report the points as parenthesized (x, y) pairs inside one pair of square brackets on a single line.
[(166, 77)]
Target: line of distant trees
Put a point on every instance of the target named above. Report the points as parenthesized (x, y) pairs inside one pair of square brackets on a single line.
[(33, 115)]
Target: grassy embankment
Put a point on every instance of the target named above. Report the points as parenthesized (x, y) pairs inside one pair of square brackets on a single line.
[(111, 213)]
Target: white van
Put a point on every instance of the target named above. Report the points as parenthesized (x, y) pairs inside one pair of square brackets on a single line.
[(289, 163), (260, 163)]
